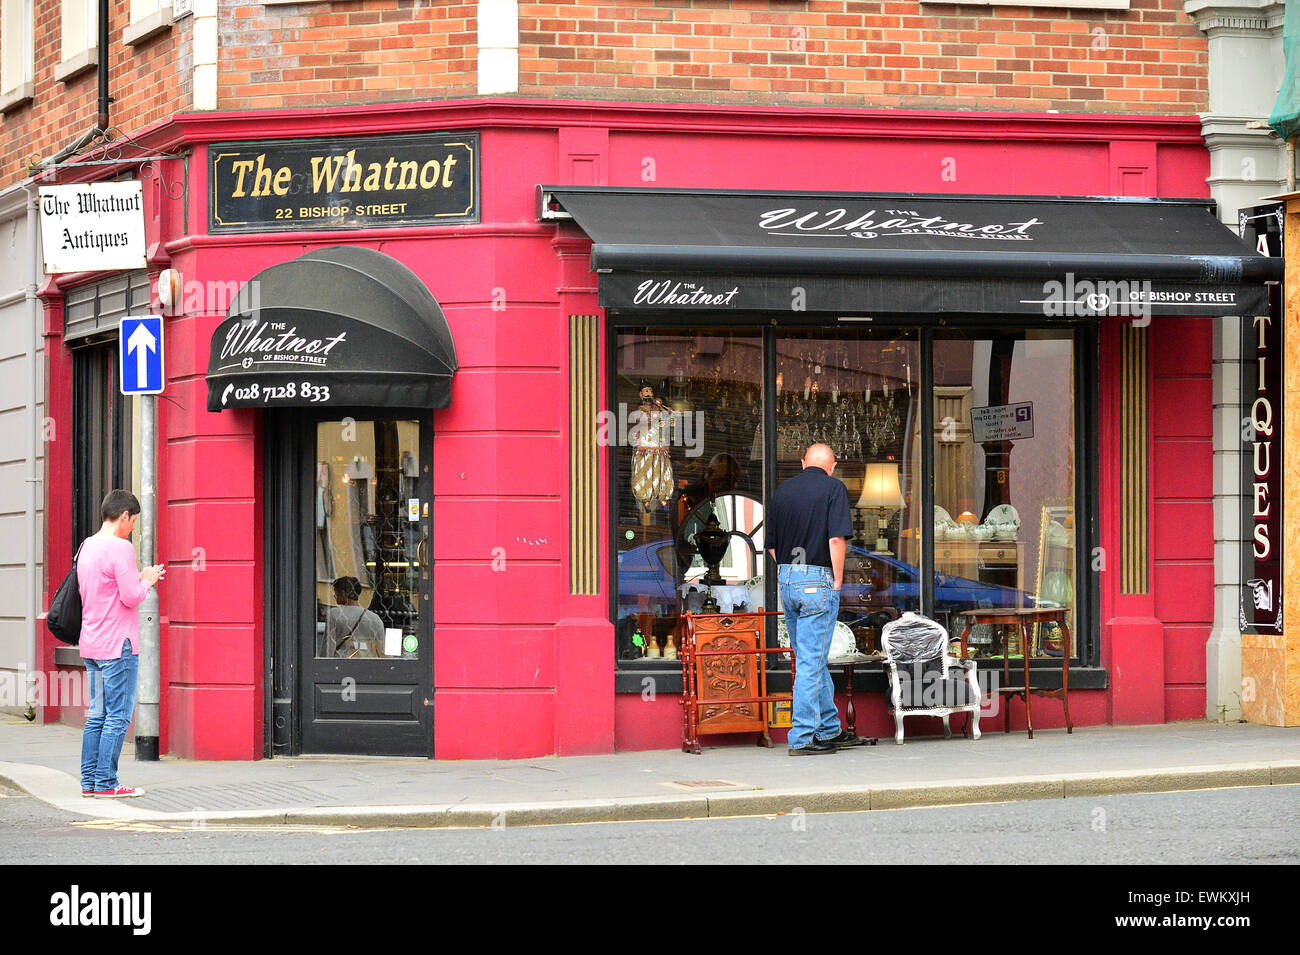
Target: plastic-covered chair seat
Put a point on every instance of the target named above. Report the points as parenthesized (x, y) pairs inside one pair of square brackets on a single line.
[(924, 678)]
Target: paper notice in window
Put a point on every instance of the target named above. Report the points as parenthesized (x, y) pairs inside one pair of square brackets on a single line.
[(392, 641)]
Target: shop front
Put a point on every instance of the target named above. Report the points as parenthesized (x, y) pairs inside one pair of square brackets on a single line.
[(430, 476), (946, 347), (347, 353)]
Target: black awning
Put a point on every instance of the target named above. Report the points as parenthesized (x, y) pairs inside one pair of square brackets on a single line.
[(342, 326), (854, 253)]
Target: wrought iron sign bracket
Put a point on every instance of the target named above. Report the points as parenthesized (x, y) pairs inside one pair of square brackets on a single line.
[(112, 152)]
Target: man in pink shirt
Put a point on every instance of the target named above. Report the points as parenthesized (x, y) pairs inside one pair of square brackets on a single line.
[(111, 588)]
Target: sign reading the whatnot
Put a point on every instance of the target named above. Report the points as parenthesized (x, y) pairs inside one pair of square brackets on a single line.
[(93, 227), (332, 184), (1262, 401)]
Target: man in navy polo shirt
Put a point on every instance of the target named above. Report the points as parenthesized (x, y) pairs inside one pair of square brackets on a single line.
[(807, 525)]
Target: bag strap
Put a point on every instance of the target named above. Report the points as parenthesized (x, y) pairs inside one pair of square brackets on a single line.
[(343, 639)]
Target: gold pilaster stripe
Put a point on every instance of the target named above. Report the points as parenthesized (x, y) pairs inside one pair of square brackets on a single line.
[(1134, 464), (583, 546)]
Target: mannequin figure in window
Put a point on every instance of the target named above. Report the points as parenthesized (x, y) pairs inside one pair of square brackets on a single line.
[(652, 468), (351, 631)]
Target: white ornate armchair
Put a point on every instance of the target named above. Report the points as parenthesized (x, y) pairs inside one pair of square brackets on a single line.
[(924, 679)]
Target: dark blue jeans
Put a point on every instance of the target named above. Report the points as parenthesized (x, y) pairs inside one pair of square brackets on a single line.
[(112, 701)]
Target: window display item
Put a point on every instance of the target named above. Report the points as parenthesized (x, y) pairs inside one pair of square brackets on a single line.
[(924, 679), (652, 468), (1005, 521), (881, 492)]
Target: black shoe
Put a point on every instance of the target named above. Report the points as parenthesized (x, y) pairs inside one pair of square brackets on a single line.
[(845, 740), (815, 748)]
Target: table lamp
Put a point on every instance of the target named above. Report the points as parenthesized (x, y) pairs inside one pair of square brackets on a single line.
[(880, 490)]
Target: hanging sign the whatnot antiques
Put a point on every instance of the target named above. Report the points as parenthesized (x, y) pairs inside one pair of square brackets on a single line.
[(344, 183), (92, 227), (1261, 436)]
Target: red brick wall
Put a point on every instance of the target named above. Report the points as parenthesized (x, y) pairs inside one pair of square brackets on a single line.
[(148, 82), (1148, 59), (315, 54)]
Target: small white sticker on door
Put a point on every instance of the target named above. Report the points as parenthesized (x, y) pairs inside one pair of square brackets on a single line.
[(413, 509), (392, 641)]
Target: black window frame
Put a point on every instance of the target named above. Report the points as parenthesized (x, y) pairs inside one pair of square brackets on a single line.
[(1085, 664), (95, 378)]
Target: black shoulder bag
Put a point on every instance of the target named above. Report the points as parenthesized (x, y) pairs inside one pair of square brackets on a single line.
[(64, 617)]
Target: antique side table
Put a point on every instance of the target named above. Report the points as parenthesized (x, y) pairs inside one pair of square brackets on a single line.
[(1024, 619)]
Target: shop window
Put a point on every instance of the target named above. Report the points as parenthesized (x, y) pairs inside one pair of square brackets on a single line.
[(1004, 472), (859, 392), (106, 436), (958, 449), (368, 549), (686, 426)]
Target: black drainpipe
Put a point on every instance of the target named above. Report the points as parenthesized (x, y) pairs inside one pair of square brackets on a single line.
[(101, 119)]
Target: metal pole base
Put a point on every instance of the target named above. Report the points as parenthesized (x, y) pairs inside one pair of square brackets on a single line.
[(146, 749)]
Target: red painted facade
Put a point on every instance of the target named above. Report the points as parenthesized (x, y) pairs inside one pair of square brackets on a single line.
[(522, 667)]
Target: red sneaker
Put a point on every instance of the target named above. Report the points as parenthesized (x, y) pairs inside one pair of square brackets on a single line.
[(88, 792), (121, 792)]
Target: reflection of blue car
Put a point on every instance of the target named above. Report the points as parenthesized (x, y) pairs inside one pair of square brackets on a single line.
[(646, 584)]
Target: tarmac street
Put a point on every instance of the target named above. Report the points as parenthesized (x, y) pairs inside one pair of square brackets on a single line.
[(43, 761), (1138, 829)]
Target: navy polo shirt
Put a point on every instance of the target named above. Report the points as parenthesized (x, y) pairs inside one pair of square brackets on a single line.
[(805, 513)]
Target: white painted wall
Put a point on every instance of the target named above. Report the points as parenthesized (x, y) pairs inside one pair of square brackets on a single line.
[(18, 417)]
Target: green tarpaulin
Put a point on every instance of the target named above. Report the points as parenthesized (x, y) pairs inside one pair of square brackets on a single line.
[(1285, 118)]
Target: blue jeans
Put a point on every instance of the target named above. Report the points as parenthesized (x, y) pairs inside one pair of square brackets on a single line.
[(112, 700), (811, 607)]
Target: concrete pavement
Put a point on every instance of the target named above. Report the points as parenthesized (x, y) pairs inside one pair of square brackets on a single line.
[(662, 784)]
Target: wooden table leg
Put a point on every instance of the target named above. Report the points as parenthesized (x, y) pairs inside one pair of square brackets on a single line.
[(1006, 681), (1065, 674), (964, 634), (850, 714), (1024, 653)]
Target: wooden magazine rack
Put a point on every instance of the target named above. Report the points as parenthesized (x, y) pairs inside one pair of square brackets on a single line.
[(724, 676)]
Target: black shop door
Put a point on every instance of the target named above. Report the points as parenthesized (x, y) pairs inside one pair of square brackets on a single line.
[(348, 584)]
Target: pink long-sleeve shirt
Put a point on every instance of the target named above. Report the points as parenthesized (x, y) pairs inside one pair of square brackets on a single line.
[(111, 589)]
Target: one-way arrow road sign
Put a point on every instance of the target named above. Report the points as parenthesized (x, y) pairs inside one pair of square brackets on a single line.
[(140, 344)]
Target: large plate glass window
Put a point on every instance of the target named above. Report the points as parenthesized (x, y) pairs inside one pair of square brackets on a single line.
[(859, 392), (1004, 480), (689, 460), (368, 540)]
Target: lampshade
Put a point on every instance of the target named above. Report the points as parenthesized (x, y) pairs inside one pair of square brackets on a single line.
[(880, 487)]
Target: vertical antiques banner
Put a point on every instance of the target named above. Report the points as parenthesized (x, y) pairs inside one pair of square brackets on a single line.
[(1262, 402)]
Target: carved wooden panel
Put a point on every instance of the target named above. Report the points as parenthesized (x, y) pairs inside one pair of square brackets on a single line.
[(731, 677)]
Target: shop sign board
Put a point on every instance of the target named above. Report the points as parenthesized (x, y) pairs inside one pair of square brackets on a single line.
[(1002, 422), (93, 227), (344, 183), (1262, 402)]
